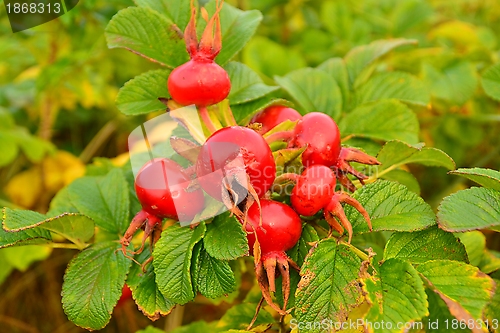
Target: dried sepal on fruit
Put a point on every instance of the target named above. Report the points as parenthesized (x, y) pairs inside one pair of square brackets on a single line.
[(236, 167)]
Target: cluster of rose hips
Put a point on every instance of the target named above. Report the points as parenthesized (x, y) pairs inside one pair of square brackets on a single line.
[(236, 167)]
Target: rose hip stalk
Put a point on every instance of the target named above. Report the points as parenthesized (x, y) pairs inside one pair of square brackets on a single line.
[(201, 81), (236, 167), (164, 191), (279, 232), (315, 190)]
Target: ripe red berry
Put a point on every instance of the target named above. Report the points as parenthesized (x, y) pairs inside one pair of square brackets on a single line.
[(320, 134), (273, 116), (165, 191), (236, 155), (126, 295), (314, 190), (280, 231), (201, 81)]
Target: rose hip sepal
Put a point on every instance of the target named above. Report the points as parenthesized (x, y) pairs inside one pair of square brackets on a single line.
[(201, 81), (164, 191), (279, 232), (315, 190)]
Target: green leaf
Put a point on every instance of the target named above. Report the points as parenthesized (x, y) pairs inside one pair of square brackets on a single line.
[(93, 284), (225, 238), (244, 112), (5, 267), (103, 199), (149, 34), (464, 288), (239, 316), (490, 262), (336, 68), (140, 95), (313, 90), (362, 56), (484, 177), (288, 160), (145, 290), (172, 261), (421, 246), (383, 120), (178, 11), (33, 147), (393, 85), (214, 277), (6, 119), (440, 319), (396, 153), (18, 219), (391, 206), (238, 27), (455, 83), (151, 329), (475, 244), (10, 148), (327, 289), (397, 295), (493, 309), (491, 81), (246, 85), (471, 209), (195, 327), (26, 237), (61, 204), (276, 60), (299, 252), (21, 257), (404, 178), (75, 227)]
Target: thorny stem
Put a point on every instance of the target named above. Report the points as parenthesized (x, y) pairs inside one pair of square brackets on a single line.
[(205, 117)]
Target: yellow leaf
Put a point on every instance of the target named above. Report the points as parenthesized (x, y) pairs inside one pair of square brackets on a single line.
[(87, 99), (460, 33), (24, 188), (121, 159), (30, 73)]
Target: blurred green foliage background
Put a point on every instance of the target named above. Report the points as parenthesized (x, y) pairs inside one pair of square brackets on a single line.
[(58, 84)]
